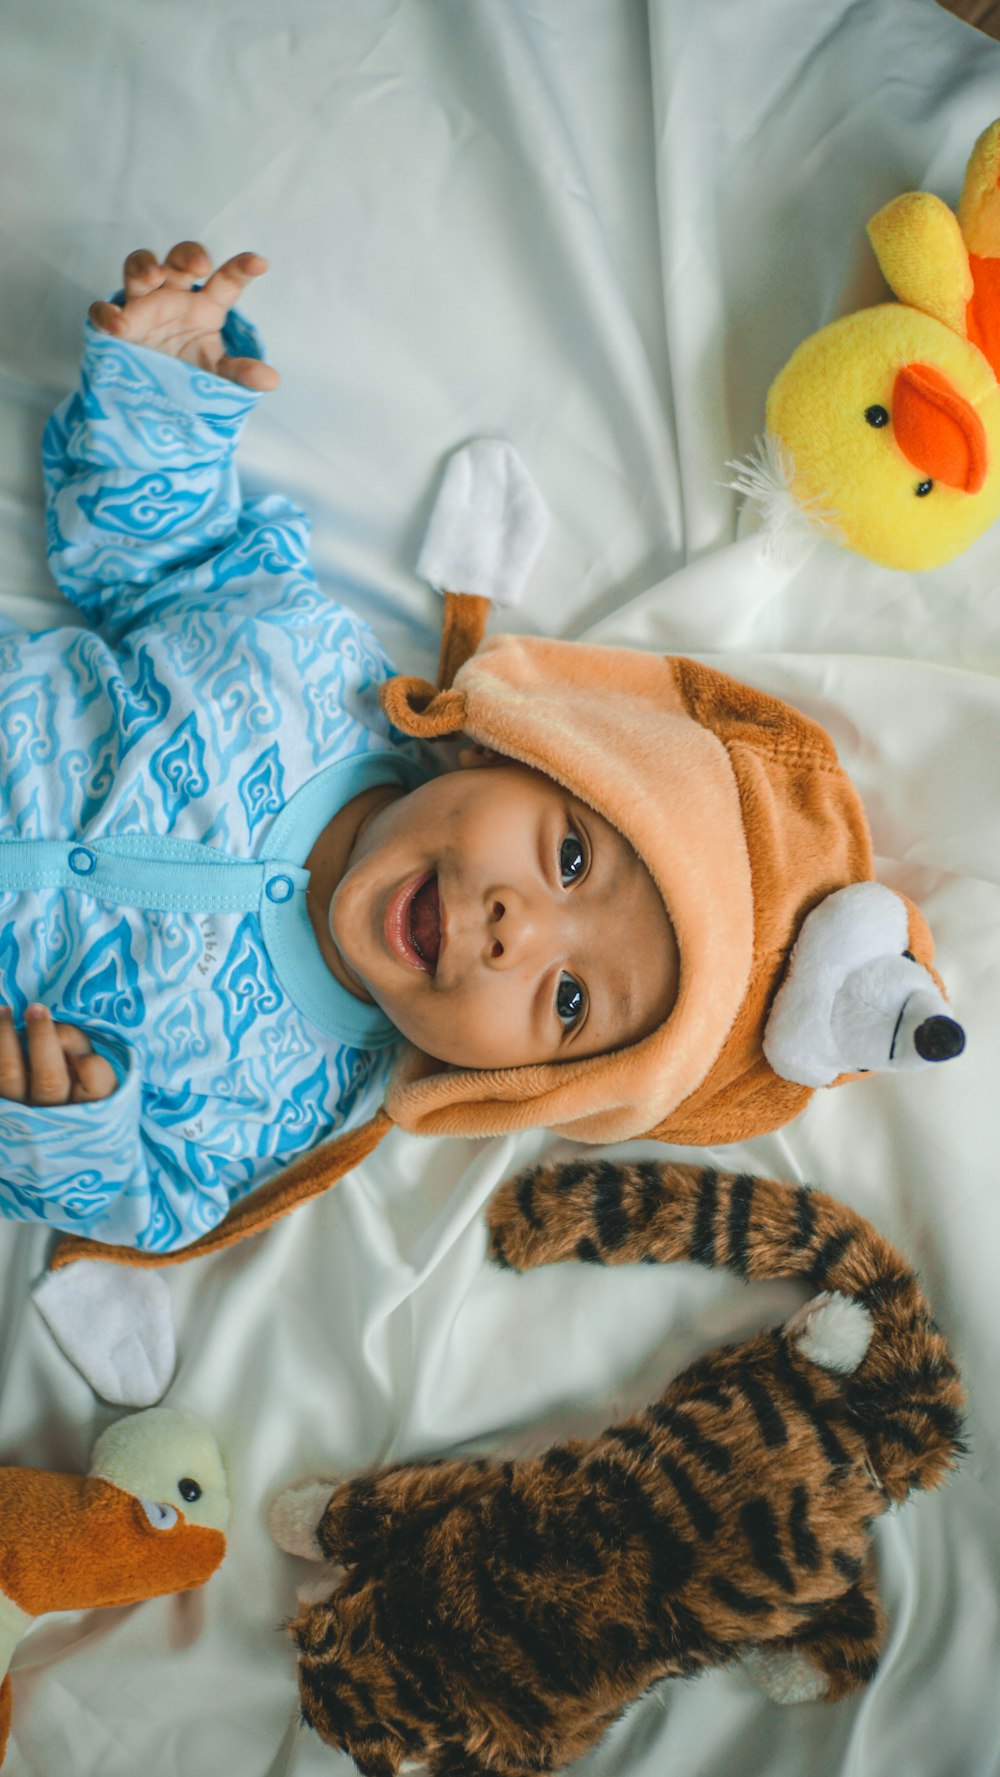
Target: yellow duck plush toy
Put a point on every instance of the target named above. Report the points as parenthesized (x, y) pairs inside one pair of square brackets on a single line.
[(883, 429)]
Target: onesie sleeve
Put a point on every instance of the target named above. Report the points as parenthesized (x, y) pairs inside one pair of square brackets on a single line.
[(141, 1169), (74, 1166), (153, 1169), (140, 476)]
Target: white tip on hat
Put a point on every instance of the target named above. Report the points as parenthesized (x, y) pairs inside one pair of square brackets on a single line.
[(488, 524), (115, 1324)]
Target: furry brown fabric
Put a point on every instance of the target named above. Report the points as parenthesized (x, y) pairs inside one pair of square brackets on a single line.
[(983, 14), (498, 1616)]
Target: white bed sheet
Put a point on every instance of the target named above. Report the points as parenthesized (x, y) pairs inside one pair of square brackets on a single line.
[(597, 227)]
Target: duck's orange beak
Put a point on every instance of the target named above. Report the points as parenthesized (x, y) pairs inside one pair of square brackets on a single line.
[(937, 430)]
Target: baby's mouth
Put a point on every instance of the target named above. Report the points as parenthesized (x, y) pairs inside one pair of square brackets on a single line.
[(425, 923), (414, 923)]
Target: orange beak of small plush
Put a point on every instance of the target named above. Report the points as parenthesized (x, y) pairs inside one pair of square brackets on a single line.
[(937, 430)]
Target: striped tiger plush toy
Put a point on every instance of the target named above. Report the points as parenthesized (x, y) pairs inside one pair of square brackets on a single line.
[(496, 1617)]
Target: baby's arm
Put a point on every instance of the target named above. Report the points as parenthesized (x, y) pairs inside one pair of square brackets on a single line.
[(133, 1168), (138, 464), (155, 1168)]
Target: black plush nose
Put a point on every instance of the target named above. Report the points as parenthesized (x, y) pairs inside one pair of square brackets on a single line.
[(939, 1038)]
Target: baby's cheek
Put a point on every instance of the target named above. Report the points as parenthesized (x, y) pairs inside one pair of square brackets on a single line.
[(477, 1028)]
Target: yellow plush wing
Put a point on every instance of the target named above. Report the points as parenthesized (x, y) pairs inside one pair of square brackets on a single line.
[(979, 205), (919, 246)]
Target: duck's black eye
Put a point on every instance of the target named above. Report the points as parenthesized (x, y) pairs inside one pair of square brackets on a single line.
[(877, 416), (922, 488), (189, 1489), (569, 1000), (571, 858)]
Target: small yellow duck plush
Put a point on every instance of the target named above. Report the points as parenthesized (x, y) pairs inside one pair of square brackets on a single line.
[(883, 429)]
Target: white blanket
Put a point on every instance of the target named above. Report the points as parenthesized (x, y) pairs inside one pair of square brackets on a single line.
[(597, 228)]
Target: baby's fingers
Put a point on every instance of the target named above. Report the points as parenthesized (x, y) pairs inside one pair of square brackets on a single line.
[(226, 285), (109, 319), (141, 273), (13, 1074), (249, 372), (50, 1081), (95, 1079), (186, 264)]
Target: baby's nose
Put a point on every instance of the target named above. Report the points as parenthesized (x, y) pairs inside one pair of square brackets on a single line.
[(519, 930), (497, 912)]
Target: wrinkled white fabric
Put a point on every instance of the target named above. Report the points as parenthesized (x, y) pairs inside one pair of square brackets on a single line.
[(596, 228)]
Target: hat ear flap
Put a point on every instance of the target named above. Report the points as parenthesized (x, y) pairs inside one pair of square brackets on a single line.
[(414, 707), (463, 626)]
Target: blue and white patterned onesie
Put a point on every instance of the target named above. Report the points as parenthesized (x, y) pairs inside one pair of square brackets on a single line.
[(163, 777)]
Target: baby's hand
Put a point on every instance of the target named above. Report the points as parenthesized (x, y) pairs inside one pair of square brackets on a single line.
[(163, 312), (52, 1064)]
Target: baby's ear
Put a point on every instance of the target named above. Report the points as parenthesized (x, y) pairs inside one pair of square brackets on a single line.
[(473, 755)]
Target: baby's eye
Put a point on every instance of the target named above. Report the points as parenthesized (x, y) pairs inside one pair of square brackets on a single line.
[(572, 858), (569, 1000)]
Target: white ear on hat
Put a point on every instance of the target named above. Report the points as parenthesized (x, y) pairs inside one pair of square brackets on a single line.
[(488, 524), (115, 1324)]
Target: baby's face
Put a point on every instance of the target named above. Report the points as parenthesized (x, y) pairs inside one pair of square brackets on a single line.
[(499, 922)]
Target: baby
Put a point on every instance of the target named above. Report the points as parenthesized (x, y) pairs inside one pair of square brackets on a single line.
[(228, 883), (235, 876)]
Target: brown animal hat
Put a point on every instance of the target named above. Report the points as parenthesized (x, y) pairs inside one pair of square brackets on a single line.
[(739, 809)]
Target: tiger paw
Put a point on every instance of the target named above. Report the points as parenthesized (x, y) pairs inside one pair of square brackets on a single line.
[(295, 1514), (785, 1675), (831, 1331), (321, 1585), (854, 1000)]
